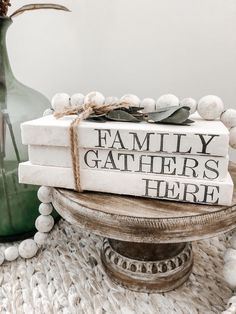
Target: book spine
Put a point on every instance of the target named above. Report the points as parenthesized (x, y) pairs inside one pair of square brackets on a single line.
[(185, 166), (150, 186)]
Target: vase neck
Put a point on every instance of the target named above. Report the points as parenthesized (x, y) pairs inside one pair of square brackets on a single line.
[(5, 68)]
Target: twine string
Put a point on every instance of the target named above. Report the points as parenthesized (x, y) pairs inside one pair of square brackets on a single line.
[(83, 113)]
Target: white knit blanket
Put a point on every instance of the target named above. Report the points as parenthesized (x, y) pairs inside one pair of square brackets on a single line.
[(67, 277)]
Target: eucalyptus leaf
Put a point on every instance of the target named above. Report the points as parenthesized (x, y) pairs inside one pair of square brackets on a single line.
[(134, 109), (121, 115), (178, 117), (97, 119), (189, 121), (38, 6), (158, 116)]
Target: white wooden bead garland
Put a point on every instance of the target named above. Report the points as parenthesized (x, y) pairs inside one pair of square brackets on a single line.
[(28, 248), (111, 100), (228, 117), (232, 137), (209, 107), (48, 112), (59, 101), (44, 223), (230, 263), (189, 102), (168, 100), (77, 100), (45, 194), (40, 238), (11, 253), (94, 97), (132, 99), (149, 104)]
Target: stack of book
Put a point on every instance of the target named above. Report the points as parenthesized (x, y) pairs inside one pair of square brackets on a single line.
[(172, 162)]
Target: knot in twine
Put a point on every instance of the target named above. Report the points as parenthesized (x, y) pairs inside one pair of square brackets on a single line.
[(83, 112)]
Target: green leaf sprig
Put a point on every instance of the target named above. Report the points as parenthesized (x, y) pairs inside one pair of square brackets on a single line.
[(178, 115)]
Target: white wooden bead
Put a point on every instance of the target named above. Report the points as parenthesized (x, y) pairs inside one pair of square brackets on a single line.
[(45, 194), (77, 99), (28, 248), (48, 112), (40, 237), (45, 209), (210, 107), (233, 241), (230, 254), (11, 253), (94, 97), (60, 101), (232, 300), (111, 100), (228, 117), (166, 101), (131, 99), (149, 105), (229, 272), (232, 137), (1, 257), (231, 310), (44, 223), (189, 102)]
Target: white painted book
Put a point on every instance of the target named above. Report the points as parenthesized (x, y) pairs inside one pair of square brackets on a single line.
[(179, 165), (146, 185), (201, 138), (182, 163)]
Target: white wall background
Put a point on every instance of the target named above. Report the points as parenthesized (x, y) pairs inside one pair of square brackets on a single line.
[(145, 47)]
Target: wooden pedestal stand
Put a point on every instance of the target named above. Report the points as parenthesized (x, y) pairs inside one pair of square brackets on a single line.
[(147, 246)]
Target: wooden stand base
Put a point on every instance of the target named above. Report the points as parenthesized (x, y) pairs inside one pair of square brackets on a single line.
[(147, 267)]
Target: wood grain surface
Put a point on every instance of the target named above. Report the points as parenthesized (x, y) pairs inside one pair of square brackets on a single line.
[(144, 220)]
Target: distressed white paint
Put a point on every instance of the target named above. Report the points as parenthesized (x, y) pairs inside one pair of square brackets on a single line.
[(134, 184)]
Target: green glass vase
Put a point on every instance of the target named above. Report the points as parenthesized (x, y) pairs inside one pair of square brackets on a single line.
[(18, 103)]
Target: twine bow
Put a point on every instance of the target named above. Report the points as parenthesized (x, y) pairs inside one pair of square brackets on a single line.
[(83, 112)]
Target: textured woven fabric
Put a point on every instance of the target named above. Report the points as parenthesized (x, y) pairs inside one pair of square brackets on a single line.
[(67, 277)]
